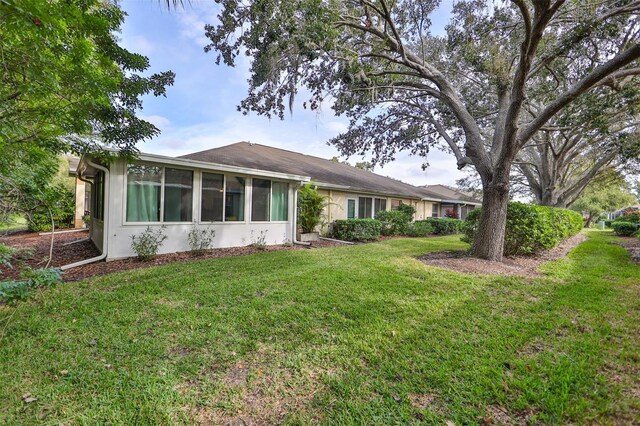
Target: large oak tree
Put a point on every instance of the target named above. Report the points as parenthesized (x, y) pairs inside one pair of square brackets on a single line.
[(405, 88)]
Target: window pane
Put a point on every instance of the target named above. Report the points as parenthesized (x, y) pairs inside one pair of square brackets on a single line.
[(395, 204), (212, 197), (178, 195), (364, 207), (434, 210), (234, 199), (351, 209), (143, 193), (279, 201), (260, 200), (380, 204)]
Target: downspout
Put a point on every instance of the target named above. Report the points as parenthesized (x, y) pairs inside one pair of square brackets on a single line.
[(105, 233), (295, 218)]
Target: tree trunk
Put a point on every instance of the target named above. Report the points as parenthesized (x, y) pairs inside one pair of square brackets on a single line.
[(488, 242)]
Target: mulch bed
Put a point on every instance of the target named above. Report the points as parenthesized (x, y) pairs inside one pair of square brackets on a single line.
[(632, 244), (66, 254), (461, 261)]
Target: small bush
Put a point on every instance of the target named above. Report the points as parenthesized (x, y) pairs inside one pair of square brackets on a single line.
[(419, 228), (451, 214), (146, 244), (625, 229), (445, 226), (201, 240), (530, 228), (61, 201), (607, 223), (393, 222), (259, 242), (356, 229), (310, 207), (14, 290), (6, 255)]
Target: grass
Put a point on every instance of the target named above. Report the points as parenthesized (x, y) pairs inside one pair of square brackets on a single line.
[(362, 334), (16, 223)]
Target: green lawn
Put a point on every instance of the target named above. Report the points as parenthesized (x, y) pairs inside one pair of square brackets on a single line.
[(17, 223), (360, 334)]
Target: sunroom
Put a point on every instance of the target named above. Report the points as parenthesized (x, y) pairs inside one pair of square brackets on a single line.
[(242, 205)]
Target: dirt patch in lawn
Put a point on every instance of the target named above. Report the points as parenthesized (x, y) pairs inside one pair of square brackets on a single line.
[(64, 254), (461, 261), (632, 245)]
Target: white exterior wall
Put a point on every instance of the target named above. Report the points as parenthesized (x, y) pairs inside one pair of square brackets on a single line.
[(228, 234)]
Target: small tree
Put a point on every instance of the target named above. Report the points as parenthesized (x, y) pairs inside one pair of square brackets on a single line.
[(310, 206)]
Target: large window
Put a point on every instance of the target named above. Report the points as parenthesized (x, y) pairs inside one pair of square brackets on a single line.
[(269, 201), (178, 193), (379, 204), (279, 201), (144, 186), (147, 186), (364, 207), (234, 199), (212, 197), (260, 200)]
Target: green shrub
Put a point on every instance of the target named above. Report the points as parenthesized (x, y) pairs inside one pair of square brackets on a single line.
[(607, 223), (13, 290), (407, 210), (146, 244), (530, 228), (356, 229), (443, 226), (310, 207), (393, 222), (6, 255), (625, 229), (629, 218), (419, 228), (200, 240)]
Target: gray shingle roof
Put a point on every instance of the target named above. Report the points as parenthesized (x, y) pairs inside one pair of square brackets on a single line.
[(320, 170), (448, 193)]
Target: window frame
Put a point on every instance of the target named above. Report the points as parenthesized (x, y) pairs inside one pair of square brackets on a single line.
[(125, 222), (435, 210), (370, 210), (355, 208), (373, 209), (224, 198), (271, 181)]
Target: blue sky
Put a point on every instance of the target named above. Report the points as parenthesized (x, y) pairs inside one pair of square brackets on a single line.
[(199, 111)]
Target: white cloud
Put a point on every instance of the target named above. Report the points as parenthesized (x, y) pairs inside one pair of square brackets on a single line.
[(159, 121)]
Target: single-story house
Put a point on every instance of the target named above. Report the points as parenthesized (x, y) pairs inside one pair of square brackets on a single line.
[(453, 199), (246, 192)]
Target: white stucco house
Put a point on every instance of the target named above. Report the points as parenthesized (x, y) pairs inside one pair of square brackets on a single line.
[(244, 191)]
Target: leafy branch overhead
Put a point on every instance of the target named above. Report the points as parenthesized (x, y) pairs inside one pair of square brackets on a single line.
[(501, 75), (66, 84)]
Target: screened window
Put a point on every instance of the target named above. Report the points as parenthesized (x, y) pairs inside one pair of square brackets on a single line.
[(212, 197), (260, 200), (351, 209), (144, 185), (380, 204), (97, 204), (279, 201), (178, 195), (364, 207), (269, 201), (434, 210), (234, 199)]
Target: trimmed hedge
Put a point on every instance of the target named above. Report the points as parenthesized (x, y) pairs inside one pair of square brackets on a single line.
[(624, 229), (442, 226), (419, 228), (394, 222), (629, 218), (530, 228), (356, 229)]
